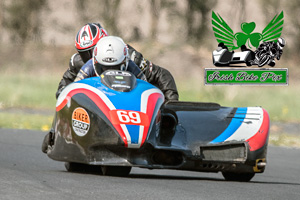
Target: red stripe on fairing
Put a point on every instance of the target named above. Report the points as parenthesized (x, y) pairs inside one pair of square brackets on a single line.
[(152, 100), (260, 138), (67, 99), (101, 105)]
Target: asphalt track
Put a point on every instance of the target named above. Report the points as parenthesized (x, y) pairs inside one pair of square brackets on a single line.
[(27, 173)]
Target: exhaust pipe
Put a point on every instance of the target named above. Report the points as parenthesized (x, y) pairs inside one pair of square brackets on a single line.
[(261, 165)]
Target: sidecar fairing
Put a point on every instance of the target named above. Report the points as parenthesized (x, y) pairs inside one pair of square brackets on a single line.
[(104, 125)]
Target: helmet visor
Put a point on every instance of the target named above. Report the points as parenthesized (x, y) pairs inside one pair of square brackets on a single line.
[(86, 55), (100, 68)]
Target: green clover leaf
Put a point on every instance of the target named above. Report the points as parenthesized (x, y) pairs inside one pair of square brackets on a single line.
[(242, 38), (248, 27), (255, 38)]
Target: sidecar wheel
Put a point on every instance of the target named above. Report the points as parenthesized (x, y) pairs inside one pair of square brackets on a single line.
[(116, 170), (79, 167), (240, 177)]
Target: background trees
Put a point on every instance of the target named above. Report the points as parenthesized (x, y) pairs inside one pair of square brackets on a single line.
[(167, 21)]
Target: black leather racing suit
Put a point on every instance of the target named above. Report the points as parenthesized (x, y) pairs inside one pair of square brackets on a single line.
[(155, 74), (69, 76)]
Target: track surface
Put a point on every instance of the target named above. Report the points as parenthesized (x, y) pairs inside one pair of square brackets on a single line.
[(27, 173)]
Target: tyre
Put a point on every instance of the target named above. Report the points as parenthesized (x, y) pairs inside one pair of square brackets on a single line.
[(79, 167), (248, 63), (116, 170), (48, 140), (240, 177), (263, 60), (45, 143)]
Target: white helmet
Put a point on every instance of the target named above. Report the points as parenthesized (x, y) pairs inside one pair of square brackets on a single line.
[(110, 53), (281, 42)]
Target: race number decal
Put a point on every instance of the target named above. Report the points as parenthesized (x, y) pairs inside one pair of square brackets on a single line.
[(129, 117), (80, 121)]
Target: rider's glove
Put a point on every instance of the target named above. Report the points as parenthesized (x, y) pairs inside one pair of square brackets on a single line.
[(143, 64)]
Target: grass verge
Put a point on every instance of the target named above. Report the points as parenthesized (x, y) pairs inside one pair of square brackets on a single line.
[(284, 139), (25, 121), (28, 91)]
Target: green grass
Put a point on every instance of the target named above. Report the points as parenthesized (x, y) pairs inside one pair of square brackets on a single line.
[(284, 139), (25, 121), (23, 93), (28, 91)]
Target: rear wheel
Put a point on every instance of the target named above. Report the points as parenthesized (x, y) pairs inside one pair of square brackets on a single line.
[(79, 167), (116, 170), (241, 177), (248, 63)]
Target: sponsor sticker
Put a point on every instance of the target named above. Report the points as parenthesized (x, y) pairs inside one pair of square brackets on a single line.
[(129, 117), (80, 121), (86, 43), (117, 73), (119, 77), (109, 59)]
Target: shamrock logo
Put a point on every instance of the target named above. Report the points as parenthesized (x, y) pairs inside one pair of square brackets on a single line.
[(242, 38), (224, 33)]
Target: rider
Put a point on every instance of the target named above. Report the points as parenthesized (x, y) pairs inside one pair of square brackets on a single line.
[(85, 41), (109, 53), (268, 51)]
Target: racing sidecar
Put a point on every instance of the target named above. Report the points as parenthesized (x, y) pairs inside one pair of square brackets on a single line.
[(114, 122), (222, 57)]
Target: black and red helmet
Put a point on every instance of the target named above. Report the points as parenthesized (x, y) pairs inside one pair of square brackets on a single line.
[(87, 37)]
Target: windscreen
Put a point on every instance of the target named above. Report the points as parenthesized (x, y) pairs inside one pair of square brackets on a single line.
[(117, 80)]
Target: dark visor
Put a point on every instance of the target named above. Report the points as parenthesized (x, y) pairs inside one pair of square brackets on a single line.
[(86, 55), (101, 68)]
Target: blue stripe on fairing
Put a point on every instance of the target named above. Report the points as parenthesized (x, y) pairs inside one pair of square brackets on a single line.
[(235, 123), (134, 132), (123, 100)]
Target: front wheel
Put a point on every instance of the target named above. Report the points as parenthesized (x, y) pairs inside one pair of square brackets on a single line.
[(79, 167), (263, 60), (116, 170), (240, 177)]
